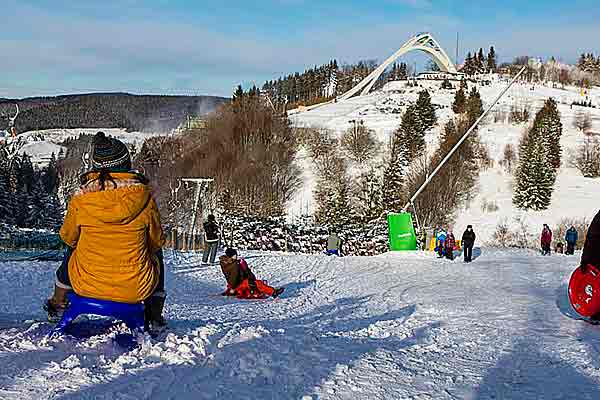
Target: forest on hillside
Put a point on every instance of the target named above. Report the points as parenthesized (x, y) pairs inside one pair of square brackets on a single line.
[(106, 110)]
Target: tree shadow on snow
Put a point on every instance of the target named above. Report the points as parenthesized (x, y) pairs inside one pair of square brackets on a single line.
[(527, 373), (296, 356)]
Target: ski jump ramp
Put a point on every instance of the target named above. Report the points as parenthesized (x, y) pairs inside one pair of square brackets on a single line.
[(424, 42)]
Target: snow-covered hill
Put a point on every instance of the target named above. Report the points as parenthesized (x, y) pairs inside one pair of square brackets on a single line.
[(382, 111), (396, 326), (41, 144)]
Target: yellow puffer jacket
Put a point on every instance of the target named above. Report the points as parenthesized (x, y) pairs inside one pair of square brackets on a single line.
[(115, 233)]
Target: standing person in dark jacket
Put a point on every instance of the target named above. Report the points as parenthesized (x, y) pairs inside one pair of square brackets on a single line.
[(211, 240), (571, 239), (468, 240)]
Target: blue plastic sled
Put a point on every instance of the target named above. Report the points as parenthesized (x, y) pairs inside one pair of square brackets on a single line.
[(131, 314)]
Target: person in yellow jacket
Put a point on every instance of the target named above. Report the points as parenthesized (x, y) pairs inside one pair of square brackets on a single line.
[(114, 237)]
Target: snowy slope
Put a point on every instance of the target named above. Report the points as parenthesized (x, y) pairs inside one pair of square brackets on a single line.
[(397, 326), (381, 111)]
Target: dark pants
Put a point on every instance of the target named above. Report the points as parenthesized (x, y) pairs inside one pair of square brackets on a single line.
[(468, 252), (210, 250), (450, 254), (570, 248), (62, 273), (546, 249)]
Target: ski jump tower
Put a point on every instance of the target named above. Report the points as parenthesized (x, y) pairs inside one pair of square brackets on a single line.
[(424, 42)]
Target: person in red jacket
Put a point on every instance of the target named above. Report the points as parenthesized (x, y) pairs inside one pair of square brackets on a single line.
[(241, 282), (546, 240)]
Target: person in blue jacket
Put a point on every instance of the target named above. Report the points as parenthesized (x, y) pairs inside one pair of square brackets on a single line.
[(571, 239)]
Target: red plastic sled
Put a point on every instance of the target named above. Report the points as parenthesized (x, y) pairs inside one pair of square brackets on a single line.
[(584, 291)]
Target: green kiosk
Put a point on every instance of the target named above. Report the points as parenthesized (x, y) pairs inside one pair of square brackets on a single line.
[(402, 232)]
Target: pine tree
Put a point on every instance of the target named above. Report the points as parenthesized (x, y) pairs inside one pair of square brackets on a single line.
[(54, 213), (460, 99), (474, 107), (481, 62), (410, 136), (468, 66), (368, 195), (392, 191), (547, 123), (491, 60), (535, 176), (36, 215), (425, 111)]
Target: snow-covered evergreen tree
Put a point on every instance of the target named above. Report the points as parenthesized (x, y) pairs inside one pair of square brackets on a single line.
[(474, 107), (491, 60), (425, 111), (460, 99), (392, 191), (410, 135), (534, 180), (547, 123), (368, 195)]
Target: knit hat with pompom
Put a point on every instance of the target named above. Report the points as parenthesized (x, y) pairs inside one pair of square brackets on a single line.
[(110, 154)]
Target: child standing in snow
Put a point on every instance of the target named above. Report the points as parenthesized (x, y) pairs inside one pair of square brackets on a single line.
[(450, 245), (114, 237), (334, 244), (440, 239), (546, 240), (241, 282)]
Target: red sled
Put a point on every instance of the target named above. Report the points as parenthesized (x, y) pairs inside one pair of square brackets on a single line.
[(584, 291)]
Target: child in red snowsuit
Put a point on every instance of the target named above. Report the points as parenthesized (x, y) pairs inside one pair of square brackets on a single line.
[(241, 282), (546, 240)]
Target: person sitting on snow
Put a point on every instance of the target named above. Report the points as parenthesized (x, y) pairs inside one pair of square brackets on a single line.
[(450, 245), (571, 238), (546, 240), (114, 237), (241, 282), (334, 244)]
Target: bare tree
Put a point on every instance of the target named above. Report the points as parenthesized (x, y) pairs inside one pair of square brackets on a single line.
[(359, 142), (588, 158), (582, 121)]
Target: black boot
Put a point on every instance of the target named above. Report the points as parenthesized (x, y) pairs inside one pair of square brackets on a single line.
[(153, 312), (56, 305), (277, 292)]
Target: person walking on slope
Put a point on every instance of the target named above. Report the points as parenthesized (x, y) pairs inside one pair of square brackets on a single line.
[(546, 240), (334, 244), (440, 242), (450, 245), (211, 240), (571, 238), (114, 237), (468, 241), (241, 282)]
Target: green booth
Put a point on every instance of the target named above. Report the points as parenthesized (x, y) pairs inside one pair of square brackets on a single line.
[(402, 232)]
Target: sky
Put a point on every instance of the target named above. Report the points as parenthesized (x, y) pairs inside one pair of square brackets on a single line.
[(50, 47)]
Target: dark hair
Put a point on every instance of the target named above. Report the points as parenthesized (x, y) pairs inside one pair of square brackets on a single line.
[(210, 217), (230, 252)]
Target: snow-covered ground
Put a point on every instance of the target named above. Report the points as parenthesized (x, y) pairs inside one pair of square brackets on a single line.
[(382, 112), (396, 326)]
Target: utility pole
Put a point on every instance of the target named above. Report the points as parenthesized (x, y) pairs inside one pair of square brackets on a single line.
[(456, 58), (200, 183)]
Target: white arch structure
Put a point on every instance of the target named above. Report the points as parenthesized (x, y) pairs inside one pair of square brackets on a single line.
[(420, 42)]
